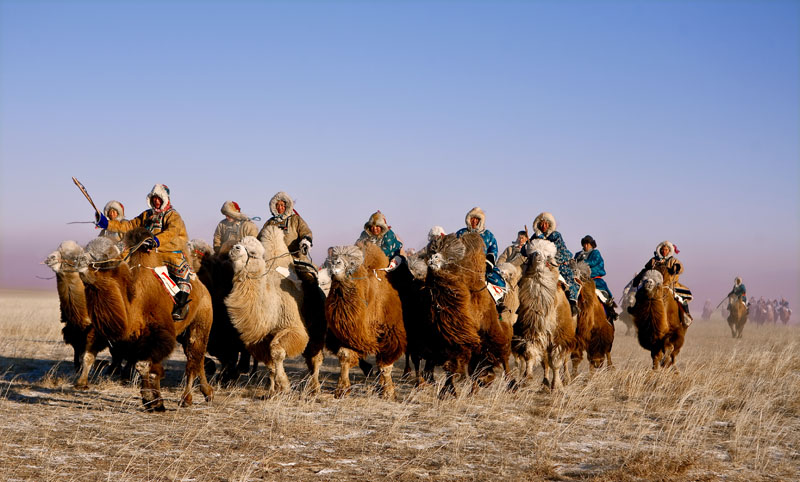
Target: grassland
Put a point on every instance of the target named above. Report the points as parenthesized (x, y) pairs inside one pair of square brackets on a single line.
[(730, 412)]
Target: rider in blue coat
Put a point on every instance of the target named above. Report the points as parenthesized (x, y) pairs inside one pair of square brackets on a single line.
[(544, 227), (476, 223), (592, 257)]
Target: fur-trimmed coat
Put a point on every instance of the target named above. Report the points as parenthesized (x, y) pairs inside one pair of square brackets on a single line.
[(563, 255), (120, 209), (493, 276), (513, 255), (293, 226), (386, 240), (228, 232), (166, 225)]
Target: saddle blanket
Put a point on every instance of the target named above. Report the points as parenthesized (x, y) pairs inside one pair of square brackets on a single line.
[(163, 275), (496, 292)]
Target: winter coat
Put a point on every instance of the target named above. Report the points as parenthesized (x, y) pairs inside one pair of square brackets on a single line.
[(166, 225), (493, 276), (513, 255), (673, 268), (293, 226), (228, 233), (563, 255), (117, 206), (595, 262)]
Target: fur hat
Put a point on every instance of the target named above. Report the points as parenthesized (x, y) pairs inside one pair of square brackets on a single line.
[(549, 218), (377, 219), (231, 208), (737, 281), (435, 232), (162, 191), (115, 205), (667, 244), (476, 212), (281, 196)]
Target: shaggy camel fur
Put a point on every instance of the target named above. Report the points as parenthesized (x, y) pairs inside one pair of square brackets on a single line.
[(737, 315), (627, 297), (364, 313), (469, 337), (655, 314), (78, 331), (511, 274), (545, 328), (224, 342), (127, 303), (265, 308), (594, 333)]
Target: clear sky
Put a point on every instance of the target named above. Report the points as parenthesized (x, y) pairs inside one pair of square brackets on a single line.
[(631, 121)]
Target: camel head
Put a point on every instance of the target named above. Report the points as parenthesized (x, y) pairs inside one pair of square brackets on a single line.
[(275, 250), (198, 250), (248, 255), (417, 267), (581, 270), (344, 261), (65, 257), (444, 251), (651, 281), (96, 255), (510, 273), (541, 254)]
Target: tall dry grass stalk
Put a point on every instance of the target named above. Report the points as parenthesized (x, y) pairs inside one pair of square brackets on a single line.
[(732, 411)]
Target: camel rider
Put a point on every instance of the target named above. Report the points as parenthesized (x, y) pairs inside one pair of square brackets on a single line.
[(664, 259), (544, 227), (296, 233), (169, 240), (113, 210), (476, 223), (592, 257), (513, 253), (233, 228), (739, 290), (377, 231)]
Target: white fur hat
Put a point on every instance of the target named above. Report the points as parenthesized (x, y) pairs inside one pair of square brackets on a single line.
[(231, 208), (287, 201), (162, 191), (668, 245), (435, 232), (115, 205), (549, 218), (476, 212)]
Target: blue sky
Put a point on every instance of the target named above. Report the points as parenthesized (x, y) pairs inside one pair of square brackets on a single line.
[(631, 121)]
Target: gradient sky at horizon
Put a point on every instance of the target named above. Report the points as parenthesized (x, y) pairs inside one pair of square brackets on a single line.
[(631, 121)]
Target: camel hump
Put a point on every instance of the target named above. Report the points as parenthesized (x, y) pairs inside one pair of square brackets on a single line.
[(374, 257), (135, 236), (472, 242)]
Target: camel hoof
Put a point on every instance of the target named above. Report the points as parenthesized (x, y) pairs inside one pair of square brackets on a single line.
[(155, 406), (186, 402), (81, 386), (341, 392)]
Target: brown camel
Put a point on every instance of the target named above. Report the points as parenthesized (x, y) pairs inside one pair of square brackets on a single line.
[(364, 313), (545, 329), (737, 315), (594, 333), (656, 315), (128, 304), (78, 331), (468, 336)]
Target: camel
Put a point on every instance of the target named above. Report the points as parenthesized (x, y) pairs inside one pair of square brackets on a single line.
[(364, 313), (128, 304), (656, 316), (594, 334), (785, 313), (78, 331), (737, 316), (627, 319), (469, 338), (511, 274), (224, 343), (545, 329), (265, 307)]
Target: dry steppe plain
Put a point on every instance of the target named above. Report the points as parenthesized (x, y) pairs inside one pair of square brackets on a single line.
[(730, 412)]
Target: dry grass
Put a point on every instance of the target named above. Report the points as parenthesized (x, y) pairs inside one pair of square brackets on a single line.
[(733, 413)]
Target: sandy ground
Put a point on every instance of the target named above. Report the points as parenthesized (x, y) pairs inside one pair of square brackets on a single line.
[(730, 412)]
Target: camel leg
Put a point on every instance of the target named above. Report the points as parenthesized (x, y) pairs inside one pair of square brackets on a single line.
[(577, 358), (195, 349), (151, 396), (407, 368), (277, 371), (314, 363), (387, 385), (347, 358), (608, 360), (87, 361)]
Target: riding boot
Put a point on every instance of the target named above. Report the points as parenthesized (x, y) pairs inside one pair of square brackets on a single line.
[(181, 308), (686, 319)]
